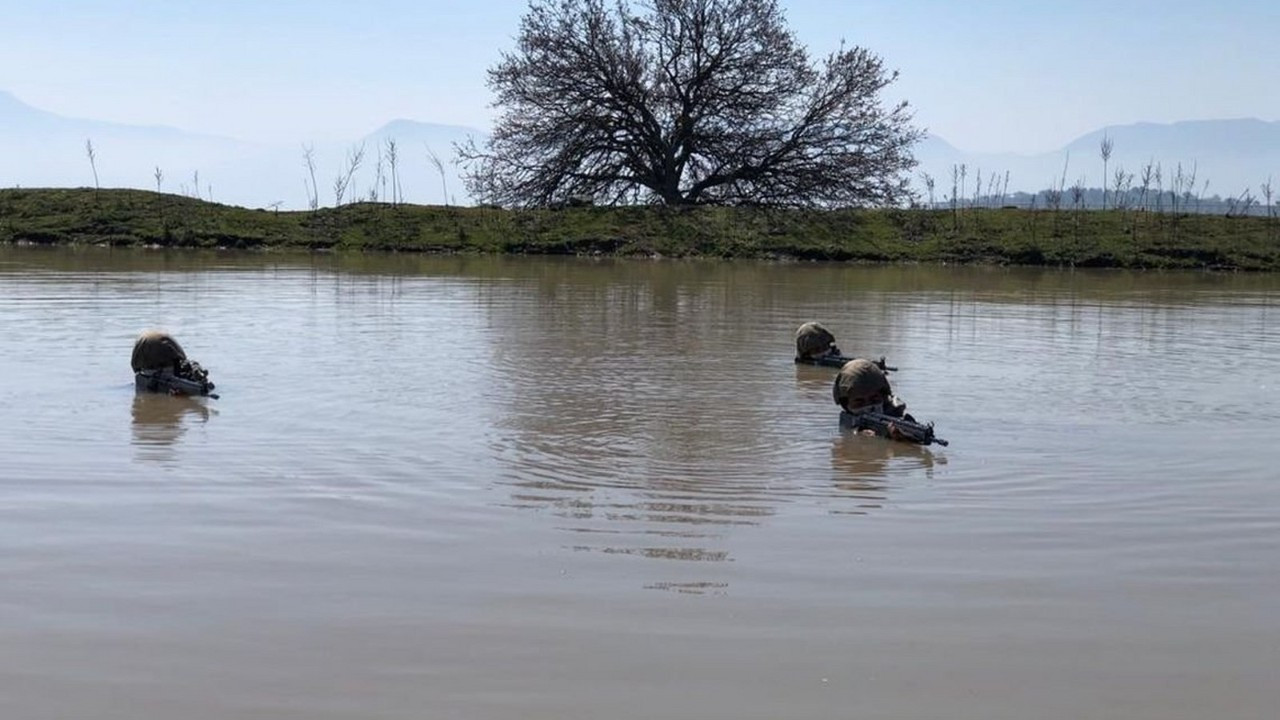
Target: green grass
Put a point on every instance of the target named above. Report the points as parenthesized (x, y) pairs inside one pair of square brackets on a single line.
[(1110, 238)]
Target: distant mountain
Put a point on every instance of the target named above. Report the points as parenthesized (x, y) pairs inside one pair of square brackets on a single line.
[(17, 117), (1231, 155), (43, 149), (39, 148)]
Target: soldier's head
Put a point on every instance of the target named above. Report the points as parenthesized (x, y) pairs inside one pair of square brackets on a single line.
[(155, 350), (860, 383), (814, 340)]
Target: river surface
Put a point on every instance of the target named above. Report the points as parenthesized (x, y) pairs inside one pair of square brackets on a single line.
[(482, 488)]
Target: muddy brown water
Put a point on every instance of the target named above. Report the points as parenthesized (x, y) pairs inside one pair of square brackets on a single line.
[(447, 487)]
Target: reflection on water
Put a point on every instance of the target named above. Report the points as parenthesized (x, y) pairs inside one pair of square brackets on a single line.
[(816, 380), (861, 457), (867, 468), (448, 486), (160, 420)]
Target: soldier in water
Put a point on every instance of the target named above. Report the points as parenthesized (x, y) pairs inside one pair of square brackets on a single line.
[(160, 365), (869, 406), (816, 345)]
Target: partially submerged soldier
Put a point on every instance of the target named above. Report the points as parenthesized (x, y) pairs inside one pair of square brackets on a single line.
[(815, 345), (161, 366), (861, 386), (868, 405)]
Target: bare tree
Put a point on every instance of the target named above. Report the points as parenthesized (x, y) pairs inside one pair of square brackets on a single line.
[(313, 190), (439, 166), (928, 186), (1175, 189), (1189, 186), (955, 183), (1240, 205), (379, 179), (342, 182), (1077, 201), (1247, 201), (1104, 149), (1148, 173), (159, 176), (393, 162), (1053, 196), (93, 164), (1159, 176), (1066, 163), (1120, 188), (1271, 208), (684, 102), (1077, 194)]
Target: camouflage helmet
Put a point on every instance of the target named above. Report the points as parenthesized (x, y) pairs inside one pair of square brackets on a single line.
[(860, 382), (155, 350), (812, 340)]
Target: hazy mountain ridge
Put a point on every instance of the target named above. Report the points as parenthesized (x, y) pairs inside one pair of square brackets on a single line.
[(16, 115), (43, 149), (1232, 155)]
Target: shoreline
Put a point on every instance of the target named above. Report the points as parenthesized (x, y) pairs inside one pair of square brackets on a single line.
[(1129, 239)]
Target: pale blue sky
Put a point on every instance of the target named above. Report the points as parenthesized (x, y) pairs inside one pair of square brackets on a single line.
[(986, 76)]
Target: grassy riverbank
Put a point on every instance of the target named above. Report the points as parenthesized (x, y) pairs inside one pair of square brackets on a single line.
[(1090, 238)]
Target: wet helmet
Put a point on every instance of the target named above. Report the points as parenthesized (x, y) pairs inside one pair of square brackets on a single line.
[(813, 340), (860, 382), (155, 350)]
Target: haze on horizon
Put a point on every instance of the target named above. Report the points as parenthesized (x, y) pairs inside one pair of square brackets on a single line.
[(1001, 76)]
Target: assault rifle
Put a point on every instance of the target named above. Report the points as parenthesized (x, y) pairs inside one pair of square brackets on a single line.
[(191, 379), (897, 428), (839, 361)]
